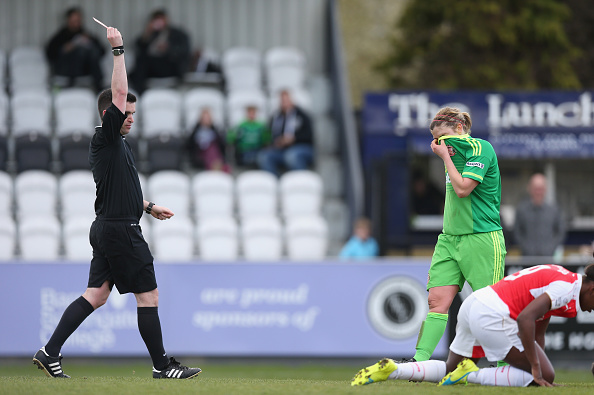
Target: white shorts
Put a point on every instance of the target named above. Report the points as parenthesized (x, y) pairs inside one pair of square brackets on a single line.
[(482, 325)]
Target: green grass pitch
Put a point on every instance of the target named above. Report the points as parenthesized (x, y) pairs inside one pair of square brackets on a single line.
[(124, 376)]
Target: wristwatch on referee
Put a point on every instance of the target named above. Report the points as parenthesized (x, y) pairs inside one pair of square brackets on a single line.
[(117, 51), (149, 207)]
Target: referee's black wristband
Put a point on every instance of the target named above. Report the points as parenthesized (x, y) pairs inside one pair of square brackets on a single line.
[(149, 207), (118, 47)]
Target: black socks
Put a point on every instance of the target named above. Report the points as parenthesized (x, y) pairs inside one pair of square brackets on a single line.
[(73, 316), (148, 325), (150, 330)]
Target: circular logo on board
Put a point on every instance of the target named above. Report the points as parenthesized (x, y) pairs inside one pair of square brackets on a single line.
[(397, 307)]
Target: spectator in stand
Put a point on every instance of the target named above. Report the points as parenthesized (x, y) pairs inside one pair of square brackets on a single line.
[(206, 146), (292, 139), (161, 51), (248, 138), (539, 227), (361, 245), (73, 52)]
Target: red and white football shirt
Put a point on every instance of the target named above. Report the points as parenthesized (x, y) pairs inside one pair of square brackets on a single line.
[(517, 290)]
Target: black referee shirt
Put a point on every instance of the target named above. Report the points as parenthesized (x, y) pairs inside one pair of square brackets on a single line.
[(118, 188)]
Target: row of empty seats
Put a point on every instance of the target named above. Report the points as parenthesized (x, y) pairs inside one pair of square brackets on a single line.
[(214, 201), (206, 194), (43, 238), (284, 68), (243, 68)]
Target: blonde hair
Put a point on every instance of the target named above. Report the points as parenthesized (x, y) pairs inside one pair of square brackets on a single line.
[(450, 117)]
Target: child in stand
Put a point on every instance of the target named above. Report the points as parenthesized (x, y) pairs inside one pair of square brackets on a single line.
[(361, 245), (248, 138)]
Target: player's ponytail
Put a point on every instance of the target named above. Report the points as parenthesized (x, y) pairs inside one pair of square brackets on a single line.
[(467, 121)]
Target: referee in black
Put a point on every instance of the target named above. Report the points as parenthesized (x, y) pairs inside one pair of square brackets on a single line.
[(120, 254)]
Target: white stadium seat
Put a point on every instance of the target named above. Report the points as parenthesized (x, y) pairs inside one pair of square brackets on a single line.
[(237, 102), (285, 68), (170, 188), (6, 192), (36, 194), (306, 238), (8, 236), (301, 193), (218, 239), (198, 99), (39, 238), (256, 193), (242, 69), (28, 69), (173, 239), (261, 239), (77, 194), (213, 194), (76, 111), (75, 235), (161, 112), (31, 111)]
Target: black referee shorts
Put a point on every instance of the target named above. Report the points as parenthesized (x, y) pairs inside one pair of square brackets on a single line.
[(121, 255)]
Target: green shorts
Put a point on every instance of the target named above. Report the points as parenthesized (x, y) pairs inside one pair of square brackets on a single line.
[(478, 258)]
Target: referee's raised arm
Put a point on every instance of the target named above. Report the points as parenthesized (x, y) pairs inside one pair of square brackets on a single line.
[(119, 79)]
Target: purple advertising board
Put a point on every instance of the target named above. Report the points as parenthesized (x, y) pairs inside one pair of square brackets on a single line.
[(541, 124), (329, 309)]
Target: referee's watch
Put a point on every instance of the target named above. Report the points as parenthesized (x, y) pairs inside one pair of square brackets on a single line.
[(117, 51), (149, 207)]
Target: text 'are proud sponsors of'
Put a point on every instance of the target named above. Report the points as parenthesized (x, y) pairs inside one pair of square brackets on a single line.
[(255, 308)]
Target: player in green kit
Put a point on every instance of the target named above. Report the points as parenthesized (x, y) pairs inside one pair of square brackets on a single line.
[(471, 247)]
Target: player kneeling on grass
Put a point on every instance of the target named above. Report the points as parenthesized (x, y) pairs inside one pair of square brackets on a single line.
[(507, 321)]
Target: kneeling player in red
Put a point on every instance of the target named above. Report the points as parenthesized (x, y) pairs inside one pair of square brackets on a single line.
[(507, 321)]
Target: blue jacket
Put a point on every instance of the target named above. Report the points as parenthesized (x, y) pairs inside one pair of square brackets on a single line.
[(358, 249)]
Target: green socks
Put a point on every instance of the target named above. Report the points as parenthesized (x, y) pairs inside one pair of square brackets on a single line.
[(432, 331)]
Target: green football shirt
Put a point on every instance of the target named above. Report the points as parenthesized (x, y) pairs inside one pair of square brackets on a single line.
[(249, 136), (478, 212)]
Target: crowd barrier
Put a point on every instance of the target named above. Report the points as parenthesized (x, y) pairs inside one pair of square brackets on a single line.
[(317, 309)]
